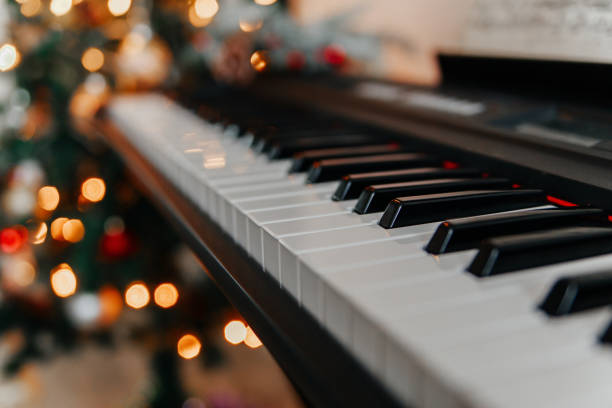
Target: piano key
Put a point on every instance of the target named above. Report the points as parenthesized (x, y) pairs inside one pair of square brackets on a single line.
[(334, 169), (376, 197), (288, 147), (351, 185), (522, 251), (572, 294), (303, 160), (406, 211), (456, 235)]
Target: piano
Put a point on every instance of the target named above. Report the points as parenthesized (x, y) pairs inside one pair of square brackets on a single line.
[(401, 245)]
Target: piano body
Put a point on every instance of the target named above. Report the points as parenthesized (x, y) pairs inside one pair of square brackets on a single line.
[(399, 245)]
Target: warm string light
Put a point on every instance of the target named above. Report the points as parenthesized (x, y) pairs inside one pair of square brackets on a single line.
[(235, 332), (265, 2), (39, 234), (63, 280), (60, 7), (92, 59), (30, 8), (188, 346), (93, 189), (249, 26), (259, 61), (196, 20), (206, 8), (119, 7), (9, 57), (48, 198), (137, 295), (166, 295), (56, 228), (251, 339), (73, 230), (21, 273)]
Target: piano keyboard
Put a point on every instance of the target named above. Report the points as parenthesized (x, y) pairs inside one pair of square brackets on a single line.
[(453, 287)]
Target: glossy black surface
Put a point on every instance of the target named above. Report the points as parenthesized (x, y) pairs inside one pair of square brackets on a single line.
[(522, 251), (405, 211), (572, 294), (457, 235), (335, 169), (351, 185), (376, 198), (303, 160)]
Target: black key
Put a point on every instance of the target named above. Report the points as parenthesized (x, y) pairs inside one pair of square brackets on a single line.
[(457, 235), (515, 252), (375, 198), (334, 169), (351, 185), (405, 211), (265, 141), (286, 148), (572, 294), (303, 160), (606, 336)]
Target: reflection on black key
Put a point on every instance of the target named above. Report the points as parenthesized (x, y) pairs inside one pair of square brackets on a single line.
[(290, 146), (457, 235), (334, 169), (405, 211), (375, 198), (574, 294), (303, 160), (515, 252), (352, 185)]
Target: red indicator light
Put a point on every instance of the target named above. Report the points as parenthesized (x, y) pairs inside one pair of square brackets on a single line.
[(485, 175), (516, 186), (449, 164), (561, 202), (610, 218)]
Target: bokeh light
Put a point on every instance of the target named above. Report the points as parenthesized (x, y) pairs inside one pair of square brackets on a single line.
[(57, 227), (93, 189), (137, 295), (119, 7), (60, 7), (9, 57), (30, 8), (206, 8), (39, 234), (235, 332), (259, 61), (249, 26), (111, 304), (166, 295), (48, 198), (63, 280), (188, 346), (196, 20), (20, 272), (73, 230), (265, 2), (92, 59), (11, 240), (251, 339)]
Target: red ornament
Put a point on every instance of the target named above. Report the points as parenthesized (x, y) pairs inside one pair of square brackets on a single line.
[(334, 55), (116, 245), (11, 239), (295, 60)]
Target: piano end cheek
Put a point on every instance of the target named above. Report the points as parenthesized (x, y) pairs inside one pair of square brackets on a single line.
[(391, 215)]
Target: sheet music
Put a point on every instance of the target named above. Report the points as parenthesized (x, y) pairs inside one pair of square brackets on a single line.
[(558, 29)]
